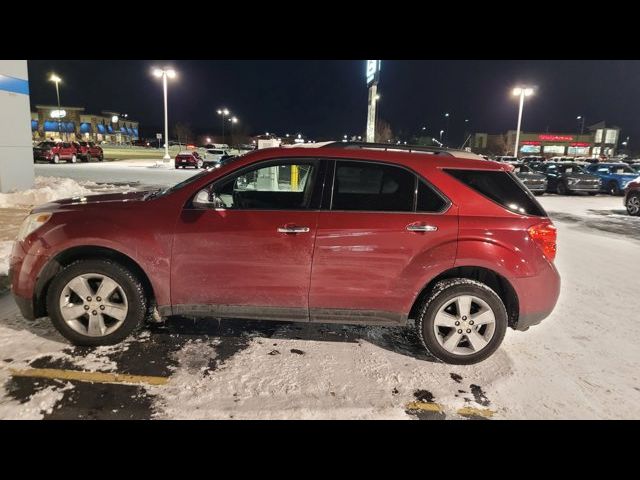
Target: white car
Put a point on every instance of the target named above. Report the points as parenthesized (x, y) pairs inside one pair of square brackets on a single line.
[(213, 156)]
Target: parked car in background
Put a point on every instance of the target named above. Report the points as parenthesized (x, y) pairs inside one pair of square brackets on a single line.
[(88, 151), (632, 198), (189, 158), (533, 158), (566, 178), (55, 152), (213, 156), (505, 158), (534, 181), (615, 176), (455, 244), (635, 166), (562, 159)]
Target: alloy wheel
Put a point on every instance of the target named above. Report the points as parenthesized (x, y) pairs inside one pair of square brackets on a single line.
[(633, 204), (93, 304), (464, 325)]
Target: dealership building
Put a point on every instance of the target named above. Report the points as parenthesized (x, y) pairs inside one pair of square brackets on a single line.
[(600, 140), (72, 123)]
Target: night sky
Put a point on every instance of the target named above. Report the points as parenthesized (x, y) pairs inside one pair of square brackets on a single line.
[(326, 99)]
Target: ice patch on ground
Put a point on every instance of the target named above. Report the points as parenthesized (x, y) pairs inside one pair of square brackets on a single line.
[(5, 252), (38, 405)]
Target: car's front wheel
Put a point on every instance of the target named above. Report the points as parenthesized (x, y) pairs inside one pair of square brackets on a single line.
[(463, 321), (96, 302), (561, 189), (200, 164), (633, 204), (613, 188), (74, 159), (56, 158)]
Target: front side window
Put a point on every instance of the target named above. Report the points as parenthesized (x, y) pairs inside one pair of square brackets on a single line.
[(372, 187), (275, 187)]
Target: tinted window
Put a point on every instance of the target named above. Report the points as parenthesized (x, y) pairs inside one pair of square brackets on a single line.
[(428, 199), (501, 187), (276, 187), (372, 187)]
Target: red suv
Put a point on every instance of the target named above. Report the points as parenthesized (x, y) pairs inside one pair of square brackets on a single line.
[(89, 150), (54, 152), (343, 233)]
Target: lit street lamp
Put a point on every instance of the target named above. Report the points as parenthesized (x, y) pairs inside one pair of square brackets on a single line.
[(446, 128), (165, 73), (441, 132), (56, 79), (223, 112), (580, 118), (521, 92), (232, 121)]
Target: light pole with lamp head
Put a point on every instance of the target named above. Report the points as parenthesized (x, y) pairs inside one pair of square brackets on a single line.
[(581, 119), (56, 79), (446, 128), (223, 112), (521, 92), (232, 121), (165, 73)]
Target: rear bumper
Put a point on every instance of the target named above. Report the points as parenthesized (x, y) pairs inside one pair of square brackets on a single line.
[(537, 296), (25, 305)]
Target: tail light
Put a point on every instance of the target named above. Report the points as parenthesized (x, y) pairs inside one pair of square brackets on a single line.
[(544, 235)]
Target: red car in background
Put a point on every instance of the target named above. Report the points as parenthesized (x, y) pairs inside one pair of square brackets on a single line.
[(55, 152), (632, 198), (89, 150), (342, 233), (189, 159)]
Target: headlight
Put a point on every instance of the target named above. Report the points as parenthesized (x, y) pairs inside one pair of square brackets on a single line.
[(572, 181), (31, 224)]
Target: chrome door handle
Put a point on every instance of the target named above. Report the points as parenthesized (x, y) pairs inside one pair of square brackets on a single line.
[(293, 229), (421, 228)]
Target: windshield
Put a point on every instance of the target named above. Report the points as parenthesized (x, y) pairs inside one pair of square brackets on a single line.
[(45, 145), (566, 168), (619, 169), (521, 169)]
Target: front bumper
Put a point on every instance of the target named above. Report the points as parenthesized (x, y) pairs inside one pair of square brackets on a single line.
[(584, 188), (538, 187)]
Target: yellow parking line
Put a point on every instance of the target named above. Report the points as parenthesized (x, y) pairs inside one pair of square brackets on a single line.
[(465, 411), (94, 377), (426, 406), (476, 412)]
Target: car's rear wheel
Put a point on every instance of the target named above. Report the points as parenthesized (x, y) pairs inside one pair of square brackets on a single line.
[(633, 204), (96, 302), (593, 194), (56, 159), (539, 193), (561, 189), (74, 159), (463, 321), (88, 158), (200, 164), (101, 158), (613, 189)]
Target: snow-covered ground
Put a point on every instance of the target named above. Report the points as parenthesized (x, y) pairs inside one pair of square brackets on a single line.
[(581, 362)]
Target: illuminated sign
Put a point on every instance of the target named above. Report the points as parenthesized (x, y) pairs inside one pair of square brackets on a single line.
[(555, 138), (580, 144), (373, 71), (58, 113), (530, 143)]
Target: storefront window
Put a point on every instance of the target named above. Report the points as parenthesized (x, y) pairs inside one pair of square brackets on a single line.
[(559, 149), (578, 151), (599, 135), (530, 149), (595, 151), (611, 137)]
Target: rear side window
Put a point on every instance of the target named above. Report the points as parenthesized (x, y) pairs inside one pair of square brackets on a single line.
[(501, 187), (372, 187), (428, 199)]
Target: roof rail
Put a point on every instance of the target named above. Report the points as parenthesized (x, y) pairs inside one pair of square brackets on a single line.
[(389, 146)]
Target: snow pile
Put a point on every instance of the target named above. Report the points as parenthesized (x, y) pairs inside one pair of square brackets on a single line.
[(5, 252), (46, 189)]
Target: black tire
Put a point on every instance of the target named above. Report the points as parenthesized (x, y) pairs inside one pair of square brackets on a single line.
[(130, 284), (561, 189), (56, 159), (538, 194), (445, 291), (593, 194), (73, 158), (613, 189), (101, 158), (631, 210), (87, 158)]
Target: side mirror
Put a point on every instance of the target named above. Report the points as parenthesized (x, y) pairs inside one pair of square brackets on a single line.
[(207, 200)]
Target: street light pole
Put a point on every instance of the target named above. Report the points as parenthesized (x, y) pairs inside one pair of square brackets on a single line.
[(446, 128), (165, 73), (56, 79), (521, 92), (581, 117)]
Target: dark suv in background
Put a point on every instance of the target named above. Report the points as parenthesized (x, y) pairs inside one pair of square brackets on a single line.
[(565, 178)]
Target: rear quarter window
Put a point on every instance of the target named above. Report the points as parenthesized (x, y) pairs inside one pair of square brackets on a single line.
[(502, 188)]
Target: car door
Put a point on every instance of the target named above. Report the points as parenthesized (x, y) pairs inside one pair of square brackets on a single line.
[(385, 233), (251, 256)]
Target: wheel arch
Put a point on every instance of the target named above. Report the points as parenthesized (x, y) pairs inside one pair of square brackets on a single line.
[(84, 252), (492, 279)]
